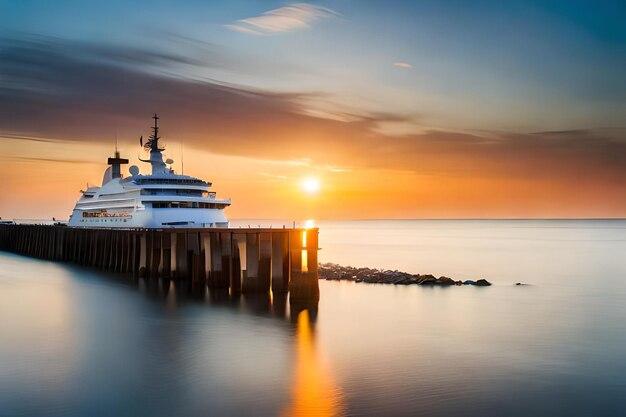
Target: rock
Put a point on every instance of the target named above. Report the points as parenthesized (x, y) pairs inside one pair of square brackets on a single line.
[(445, 281), (482, 283), (336, 272), (427, 280)]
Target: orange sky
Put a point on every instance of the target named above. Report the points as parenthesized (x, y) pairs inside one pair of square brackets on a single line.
[(43, 179)]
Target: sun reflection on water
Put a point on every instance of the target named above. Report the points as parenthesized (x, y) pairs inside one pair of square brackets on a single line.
[(314, 391)]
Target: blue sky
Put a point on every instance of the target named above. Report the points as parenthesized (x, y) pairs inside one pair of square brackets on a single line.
[(509, 65)]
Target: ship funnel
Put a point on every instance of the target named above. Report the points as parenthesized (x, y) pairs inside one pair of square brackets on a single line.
[(116, 163)]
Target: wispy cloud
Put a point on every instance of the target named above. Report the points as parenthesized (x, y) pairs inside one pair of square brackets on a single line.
[(402, 64), (36, 159), (267, 174), (284, 19), (8, 136)]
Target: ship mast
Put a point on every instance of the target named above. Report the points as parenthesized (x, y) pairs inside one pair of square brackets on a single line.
[(153, 142), (152, 145)]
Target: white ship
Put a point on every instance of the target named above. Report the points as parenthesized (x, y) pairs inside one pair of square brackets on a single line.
[(161, 199)]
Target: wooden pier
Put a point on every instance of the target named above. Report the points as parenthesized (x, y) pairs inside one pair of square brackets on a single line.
[(243, 260)]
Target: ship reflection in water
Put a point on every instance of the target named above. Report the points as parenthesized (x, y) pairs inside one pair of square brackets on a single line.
[(314, 392)]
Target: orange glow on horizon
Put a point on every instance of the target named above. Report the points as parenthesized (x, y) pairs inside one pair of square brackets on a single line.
[(56, 172)]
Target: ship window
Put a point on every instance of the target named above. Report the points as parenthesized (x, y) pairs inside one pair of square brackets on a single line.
[(185, 204), (161, 205)]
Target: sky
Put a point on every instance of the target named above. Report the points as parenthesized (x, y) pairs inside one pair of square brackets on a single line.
[(397, 109)]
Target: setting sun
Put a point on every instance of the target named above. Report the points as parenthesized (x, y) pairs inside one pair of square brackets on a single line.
[(310, 185)]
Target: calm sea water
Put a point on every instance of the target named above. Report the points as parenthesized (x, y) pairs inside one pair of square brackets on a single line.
[(76, 342)]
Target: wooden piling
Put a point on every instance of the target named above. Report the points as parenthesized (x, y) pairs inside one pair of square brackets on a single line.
[(303, 286), (280, 262), (265, 262), (251, 282)]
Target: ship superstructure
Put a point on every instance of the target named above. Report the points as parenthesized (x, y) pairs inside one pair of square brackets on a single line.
[(161, 199)]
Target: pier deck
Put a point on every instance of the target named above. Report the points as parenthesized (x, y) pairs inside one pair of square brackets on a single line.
[(244, 260)]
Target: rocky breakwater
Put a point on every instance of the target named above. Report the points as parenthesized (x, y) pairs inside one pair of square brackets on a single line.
[(334, 272)]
